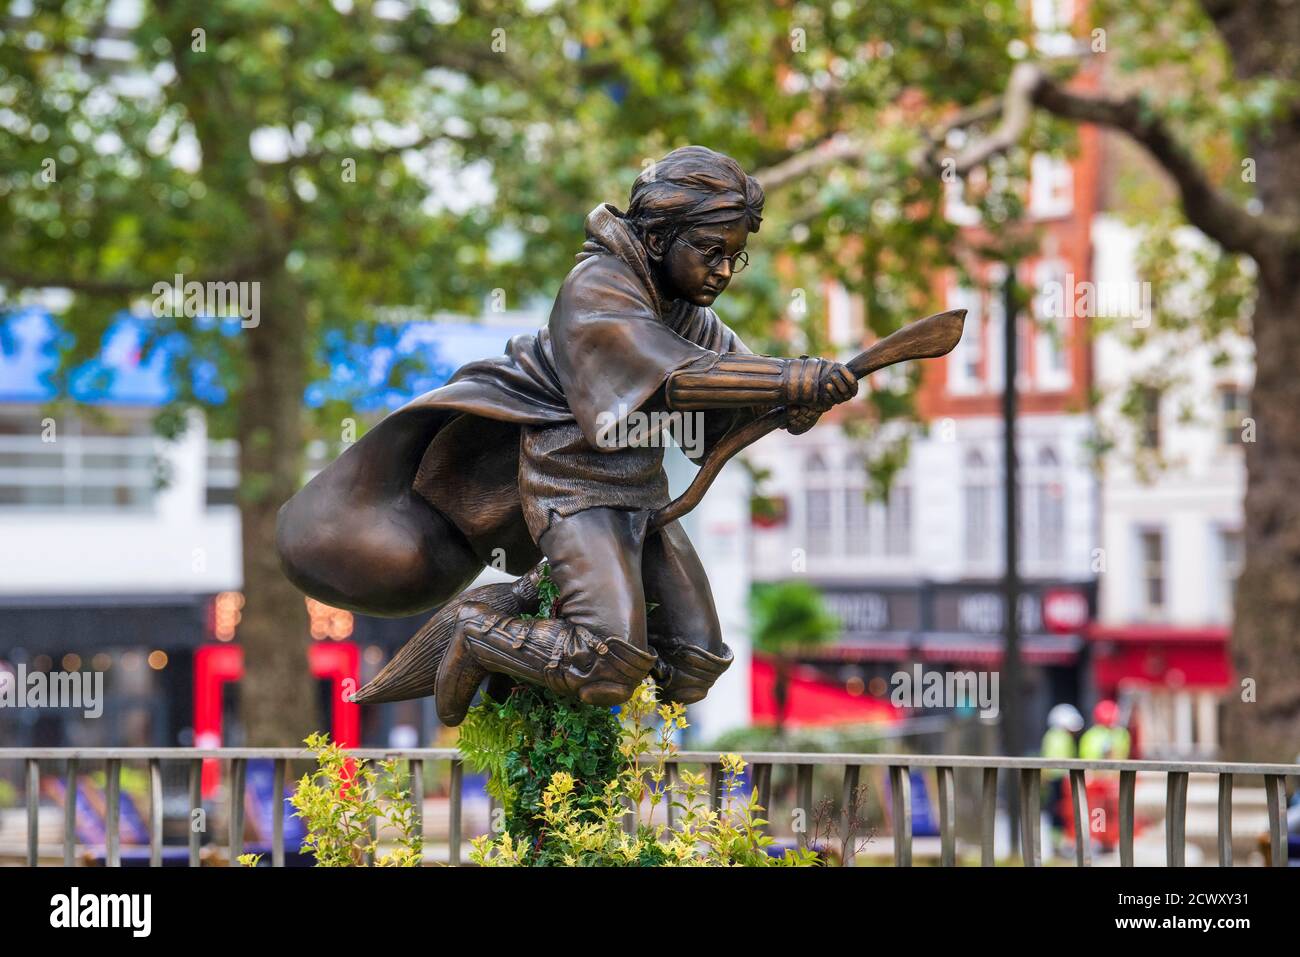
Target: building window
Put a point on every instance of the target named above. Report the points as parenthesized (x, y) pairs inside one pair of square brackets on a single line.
[(221, 475), (68, 462), (819, 525), (1232, 555), (898, 531), (1052, 307), (1151, 553), (977, 539), (1053, 21), (965, 364), (1045, 531), (955, 208), (1233, 412), (857, 521), (1149, 412), (841, 521), (1051, 186)]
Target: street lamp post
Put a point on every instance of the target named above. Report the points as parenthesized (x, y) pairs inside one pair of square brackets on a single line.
[(1012, 683)]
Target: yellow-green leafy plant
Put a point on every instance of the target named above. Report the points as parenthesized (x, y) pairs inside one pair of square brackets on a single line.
[(342, 796), (585, 822)]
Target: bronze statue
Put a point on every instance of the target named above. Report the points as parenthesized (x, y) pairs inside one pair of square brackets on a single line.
[(526, 455)]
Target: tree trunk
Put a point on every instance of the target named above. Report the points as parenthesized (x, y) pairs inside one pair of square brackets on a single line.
[(1262, 720), (277, 694)]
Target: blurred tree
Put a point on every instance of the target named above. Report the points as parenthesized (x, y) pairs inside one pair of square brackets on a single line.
[(316, 152), (787, 618), (356, 154)]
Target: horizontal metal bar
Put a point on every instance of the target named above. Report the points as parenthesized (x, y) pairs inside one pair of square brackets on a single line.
[(684, 757)]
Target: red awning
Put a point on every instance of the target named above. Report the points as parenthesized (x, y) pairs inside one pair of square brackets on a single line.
[(813, 700), (1160, 655)]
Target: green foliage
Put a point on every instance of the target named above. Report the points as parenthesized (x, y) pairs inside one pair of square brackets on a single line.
[(548, 592), (341, 797), (533, 735), (790, 615), (574, 816)]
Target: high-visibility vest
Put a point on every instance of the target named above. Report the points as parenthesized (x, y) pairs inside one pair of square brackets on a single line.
[(1100, 743), (1057, 743)]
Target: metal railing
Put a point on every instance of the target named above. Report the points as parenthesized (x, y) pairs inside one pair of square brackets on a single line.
[(1028, 773)]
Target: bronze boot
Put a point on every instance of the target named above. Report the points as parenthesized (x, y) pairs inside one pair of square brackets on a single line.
[(686, 672), (567, 659)]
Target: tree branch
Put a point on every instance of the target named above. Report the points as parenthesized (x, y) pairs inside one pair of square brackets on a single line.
[(1208, 208)]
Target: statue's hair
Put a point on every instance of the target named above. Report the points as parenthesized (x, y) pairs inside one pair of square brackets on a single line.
[(694, 186)]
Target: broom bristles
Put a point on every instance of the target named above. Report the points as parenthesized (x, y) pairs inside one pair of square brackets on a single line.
[(413, 671)]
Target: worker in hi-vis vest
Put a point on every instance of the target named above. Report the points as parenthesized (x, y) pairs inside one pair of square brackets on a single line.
[(1063, 723), (1107, 739)]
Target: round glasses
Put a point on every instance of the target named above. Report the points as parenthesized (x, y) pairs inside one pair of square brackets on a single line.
[(714, 260)]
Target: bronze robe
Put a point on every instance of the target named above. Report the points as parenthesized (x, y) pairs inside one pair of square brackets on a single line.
[(408, 516)]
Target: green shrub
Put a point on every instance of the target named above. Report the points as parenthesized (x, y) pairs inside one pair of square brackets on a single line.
[(569, 775), (339, 799)]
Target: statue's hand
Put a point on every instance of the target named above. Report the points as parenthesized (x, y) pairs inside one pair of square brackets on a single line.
[(801, 418), (836, 384)]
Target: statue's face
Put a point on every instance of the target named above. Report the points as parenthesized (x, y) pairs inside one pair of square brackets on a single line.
[(698, 264)]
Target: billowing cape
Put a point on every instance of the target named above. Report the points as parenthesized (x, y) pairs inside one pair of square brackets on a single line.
[(408, 515)]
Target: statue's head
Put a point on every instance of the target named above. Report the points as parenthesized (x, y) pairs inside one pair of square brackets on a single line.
[(694, 210)]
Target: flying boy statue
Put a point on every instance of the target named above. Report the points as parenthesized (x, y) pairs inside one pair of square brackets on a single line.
[(528, 455)]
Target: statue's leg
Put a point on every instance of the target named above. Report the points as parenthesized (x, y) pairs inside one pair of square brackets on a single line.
[(596, 651), (683, 626)]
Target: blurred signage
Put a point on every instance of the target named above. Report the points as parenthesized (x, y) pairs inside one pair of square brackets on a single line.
[(975, 609), (1065, 610)]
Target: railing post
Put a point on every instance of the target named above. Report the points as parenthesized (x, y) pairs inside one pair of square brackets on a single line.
[(196, 811), (237, 766), (1127, 789), (70, 788), (1275, 789), (113, 797), (848, 852), (155, 813), (453, 812), (670, 779), (1176, 819), (416, 766), (900, 792), (1225, 820), (715, 787), (803, 791), (33, 812), (277, 812), (1030, 826), (763, 785), (1082, 824), (988, 815), (947, 818)]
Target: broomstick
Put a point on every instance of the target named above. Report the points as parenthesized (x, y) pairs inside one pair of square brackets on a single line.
[(413, 671)]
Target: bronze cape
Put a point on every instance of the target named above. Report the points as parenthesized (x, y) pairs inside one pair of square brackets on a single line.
[(408, 516)]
